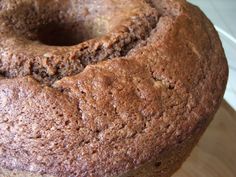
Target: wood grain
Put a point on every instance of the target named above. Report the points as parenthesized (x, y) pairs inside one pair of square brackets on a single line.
[(215, 154)]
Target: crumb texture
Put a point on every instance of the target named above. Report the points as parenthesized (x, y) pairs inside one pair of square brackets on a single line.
[(105, 88)]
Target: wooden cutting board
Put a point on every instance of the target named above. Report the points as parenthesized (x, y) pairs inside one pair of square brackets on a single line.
[(215, 154)]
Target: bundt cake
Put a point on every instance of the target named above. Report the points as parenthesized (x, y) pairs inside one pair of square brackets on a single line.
[(105, 88)]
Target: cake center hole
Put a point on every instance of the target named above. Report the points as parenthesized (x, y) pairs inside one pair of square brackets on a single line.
[(62, 34)]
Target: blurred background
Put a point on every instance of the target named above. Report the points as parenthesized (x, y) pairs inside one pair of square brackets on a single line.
[(215, 154)]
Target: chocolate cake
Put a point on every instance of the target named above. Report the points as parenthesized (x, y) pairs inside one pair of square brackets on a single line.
[(105, 88)]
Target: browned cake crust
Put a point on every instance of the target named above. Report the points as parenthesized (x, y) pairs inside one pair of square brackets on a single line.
[(103, 88)]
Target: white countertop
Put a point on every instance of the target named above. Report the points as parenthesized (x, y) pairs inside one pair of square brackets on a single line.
[(223, 14)]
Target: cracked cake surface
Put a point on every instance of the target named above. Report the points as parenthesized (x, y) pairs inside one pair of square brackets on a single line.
[(105, 88)]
